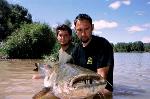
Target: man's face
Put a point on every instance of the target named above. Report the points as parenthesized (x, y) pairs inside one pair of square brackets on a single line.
[(84, 30), (63, 38)]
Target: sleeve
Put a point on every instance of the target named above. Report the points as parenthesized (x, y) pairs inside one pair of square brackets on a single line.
[(75, 55), (106, 58)]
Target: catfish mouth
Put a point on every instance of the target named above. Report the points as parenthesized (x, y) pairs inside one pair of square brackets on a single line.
[(84, 81)]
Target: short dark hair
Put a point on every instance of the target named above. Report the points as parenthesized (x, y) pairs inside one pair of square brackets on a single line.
[(83, 17), (64, 28)]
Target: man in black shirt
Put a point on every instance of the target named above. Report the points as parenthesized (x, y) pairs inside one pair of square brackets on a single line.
[(94, 53)]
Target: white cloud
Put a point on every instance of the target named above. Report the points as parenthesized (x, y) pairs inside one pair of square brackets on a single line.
[(115, 5), (139, 28), (97, 33), (139, 13), (101, 24), (133, 29), (148, 2), (147, 25), (126, 2), (14, 1), (146, 40)]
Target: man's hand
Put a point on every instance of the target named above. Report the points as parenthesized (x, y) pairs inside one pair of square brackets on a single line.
[(103, 71)]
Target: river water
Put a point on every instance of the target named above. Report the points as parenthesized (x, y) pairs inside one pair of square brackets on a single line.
[(131, 77)]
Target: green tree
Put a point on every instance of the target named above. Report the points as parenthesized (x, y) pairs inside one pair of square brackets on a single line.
[(30, 41), (138, 46), (19, 15), (75, 38), (68, 23), (11, 18), (5, 10), (147, 47), (121, 47)]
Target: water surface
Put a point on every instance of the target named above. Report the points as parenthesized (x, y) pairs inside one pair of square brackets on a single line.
[(131, 77), (15, 79)]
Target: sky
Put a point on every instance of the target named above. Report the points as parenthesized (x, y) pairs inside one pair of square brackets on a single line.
[(116, 20)]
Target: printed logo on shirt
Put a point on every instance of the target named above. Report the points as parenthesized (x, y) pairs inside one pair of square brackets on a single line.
[(90, 60)]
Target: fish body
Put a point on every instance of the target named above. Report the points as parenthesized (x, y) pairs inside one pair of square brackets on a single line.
[(69, 81)]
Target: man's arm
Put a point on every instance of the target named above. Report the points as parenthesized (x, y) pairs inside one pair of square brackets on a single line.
[(103, 71)]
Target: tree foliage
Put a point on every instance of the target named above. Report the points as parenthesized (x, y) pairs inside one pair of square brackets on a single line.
[(20, 14), (147, 47), (4, 16), (137, 46), (11, 17), (30, 41), (68, 23)]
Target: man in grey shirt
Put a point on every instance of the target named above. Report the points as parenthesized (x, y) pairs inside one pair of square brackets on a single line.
[(64, 37)]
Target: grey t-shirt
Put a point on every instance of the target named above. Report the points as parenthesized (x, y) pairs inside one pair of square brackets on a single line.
[(66, 56)]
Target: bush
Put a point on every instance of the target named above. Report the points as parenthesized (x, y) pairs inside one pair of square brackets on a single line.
[(30, 41), (54, 56)]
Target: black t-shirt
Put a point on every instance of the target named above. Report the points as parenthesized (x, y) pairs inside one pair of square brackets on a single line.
[(97, 54)]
